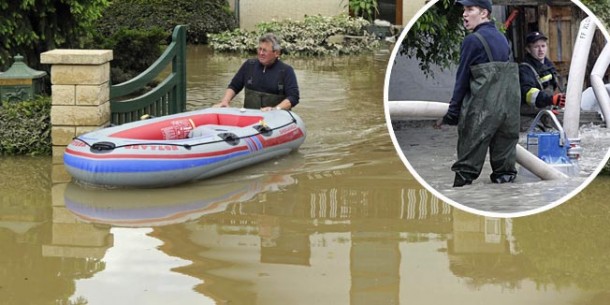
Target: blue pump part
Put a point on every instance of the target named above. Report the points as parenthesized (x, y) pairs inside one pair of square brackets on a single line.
[(551, 147)]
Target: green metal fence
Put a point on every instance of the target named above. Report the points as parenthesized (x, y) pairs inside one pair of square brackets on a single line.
[(168, 97)]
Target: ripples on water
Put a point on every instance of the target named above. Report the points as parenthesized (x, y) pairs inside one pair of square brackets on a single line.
[(339, 222), (341, 103), (431, 152)]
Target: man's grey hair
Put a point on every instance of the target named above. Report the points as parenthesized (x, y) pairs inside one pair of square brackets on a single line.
[(269, 37)]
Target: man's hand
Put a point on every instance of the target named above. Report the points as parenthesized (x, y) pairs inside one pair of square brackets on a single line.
[(221, 104), (451, 119), (447, 119), (438, 124)]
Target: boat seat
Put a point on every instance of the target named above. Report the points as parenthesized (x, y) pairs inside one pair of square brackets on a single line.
[(202, 131), (208, 130)]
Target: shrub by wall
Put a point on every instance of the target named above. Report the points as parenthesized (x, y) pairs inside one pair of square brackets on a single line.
[(315, 35), (134, 50), (26, 127), (201, 16), (138, 30)]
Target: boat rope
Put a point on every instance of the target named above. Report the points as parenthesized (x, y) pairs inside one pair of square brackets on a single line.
[(227, 137)]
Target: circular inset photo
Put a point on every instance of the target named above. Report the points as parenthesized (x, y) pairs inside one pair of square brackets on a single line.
[(499, 108)]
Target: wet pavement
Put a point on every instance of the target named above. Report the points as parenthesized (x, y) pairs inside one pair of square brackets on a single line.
[(431, 152)]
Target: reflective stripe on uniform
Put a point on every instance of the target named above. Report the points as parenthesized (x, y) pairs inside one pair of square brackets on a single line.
[(546, 78), (531, 95)]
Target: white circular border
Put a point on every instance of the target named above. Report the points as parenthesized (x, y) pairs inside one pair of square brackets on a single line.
[(413, 172)]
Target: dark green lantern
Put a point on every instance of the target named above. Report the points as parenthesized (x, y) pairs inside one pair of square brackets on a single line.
[(20, 82)]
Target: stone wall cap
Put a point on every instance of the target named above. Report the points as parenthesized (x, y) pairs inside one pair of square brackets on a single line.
[(76, 57)]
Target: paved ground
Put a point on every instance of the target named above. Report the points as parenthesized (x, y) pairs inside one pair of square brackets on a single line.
[(431, 152)]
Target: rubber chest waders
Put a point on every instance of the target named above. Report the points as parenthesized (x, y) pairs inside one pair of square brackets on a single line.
[(489, 118), (255, 99)]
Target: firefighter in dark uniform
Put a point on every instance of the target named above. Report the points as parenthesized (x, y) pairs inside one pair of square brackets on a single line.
[(485, 100), (539, 79), (269, 83)]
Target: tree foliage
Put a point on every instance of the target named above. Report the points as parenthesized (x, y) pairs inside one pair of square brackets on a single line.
[(601, 9), (30, 27), (436, 36), (134, 50), (364, 8), (201, 16)]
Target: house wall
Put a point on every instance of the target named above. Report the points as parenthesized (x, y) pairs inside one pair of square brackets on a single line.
[(252, 12), (410, 8)]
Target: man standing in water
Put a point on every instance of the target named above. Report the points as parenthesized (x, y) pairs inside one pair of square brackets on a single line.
[(485, 101), (269, 82)]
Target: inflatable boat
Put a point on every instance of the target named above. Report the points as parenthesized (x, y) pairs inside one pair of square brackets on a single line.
[(183, 147)]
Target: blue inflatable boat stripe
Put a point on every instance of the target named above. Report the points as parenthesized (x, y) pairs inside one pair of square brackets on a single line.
[(142, 165)]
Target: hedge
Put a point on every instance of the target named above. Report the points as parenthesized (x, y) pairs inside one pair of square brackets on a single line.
[(133, 50), (26, 127), (201, 16), (137, 30)]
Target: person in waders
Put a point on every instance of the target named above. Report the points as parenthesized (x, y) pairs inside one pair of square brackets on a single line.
[(539, 80), (269, 83), (485, 100)]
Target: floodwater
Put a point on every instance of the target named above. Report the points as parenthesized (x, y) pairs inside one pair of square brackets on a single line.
[(431, 152), (339, 222)]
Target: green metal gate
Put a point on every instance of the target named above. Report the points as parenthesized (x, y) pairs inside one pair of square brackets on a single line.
[(168, 97)]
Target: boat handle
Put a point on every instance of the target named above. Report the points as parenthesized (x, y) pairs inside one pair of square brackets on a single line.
[(229, 137)]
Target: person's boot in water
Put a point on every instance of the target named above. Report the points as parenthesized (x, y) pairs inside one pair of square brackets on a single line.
[(460, 180)]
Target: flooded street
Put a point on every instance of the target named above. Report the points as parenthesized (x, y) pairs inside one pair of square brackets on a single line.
[(431, 152), (339, 222)]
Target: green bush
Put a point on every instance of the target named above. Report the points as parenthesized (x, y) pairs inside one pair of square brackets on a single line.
[(315, 35), (201, 16), (136, 29), (601, 9), (32, 27), (134, 50), (26, 127), (364, 8)]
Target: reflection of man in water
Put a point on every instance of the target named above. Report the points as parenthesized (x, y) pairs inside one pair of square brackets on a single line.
[(485, 101), (269, 83)]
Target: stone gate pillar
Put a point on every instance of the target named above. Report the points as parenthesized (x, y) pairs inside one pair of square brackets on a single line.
[(80, 97)]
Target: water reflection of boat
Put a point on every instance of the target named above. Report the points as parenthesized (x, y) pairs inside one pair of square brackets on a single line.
[(159, 207)]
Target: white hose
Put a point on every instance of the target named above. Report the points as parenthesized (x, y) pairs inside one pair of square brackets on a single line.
[(421, 109), (537, 166), (408, 110), (580, 55), (597, 82)]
